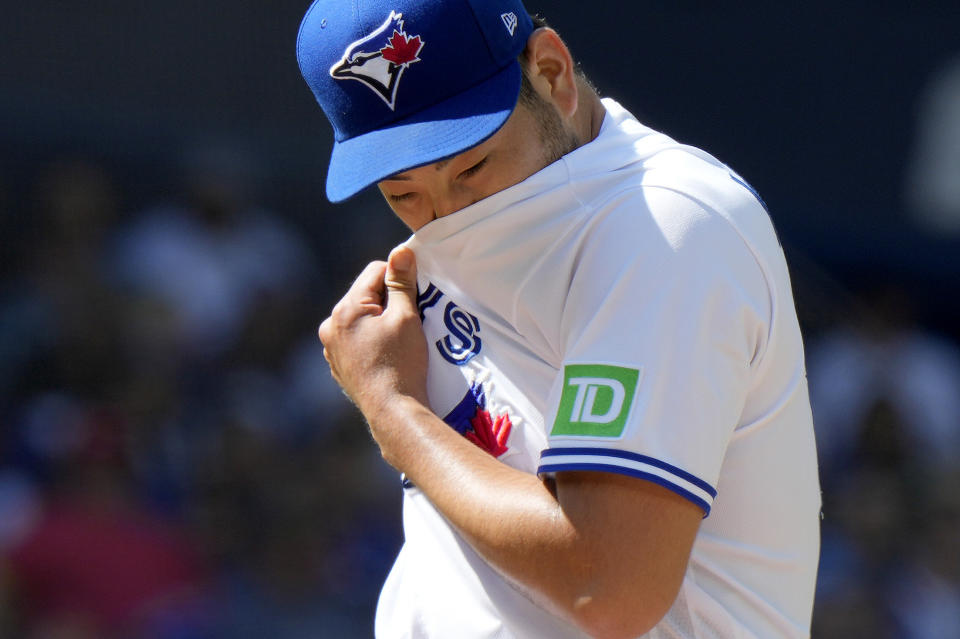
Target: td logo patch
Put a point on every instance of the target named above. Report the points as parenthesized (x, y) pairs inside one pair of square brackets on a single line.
[(596, 400)]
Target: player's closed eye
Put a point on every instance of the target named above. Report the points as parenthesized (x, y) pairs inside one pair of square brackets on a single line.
[(400, 197), (473, 170)]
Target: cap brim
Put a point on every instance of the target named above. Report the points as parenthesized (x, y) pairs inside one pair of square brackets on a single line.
[(440, 131)]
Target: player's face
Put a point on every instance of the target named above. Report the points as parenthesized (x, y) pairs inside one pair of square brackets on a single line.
[(532, 138)]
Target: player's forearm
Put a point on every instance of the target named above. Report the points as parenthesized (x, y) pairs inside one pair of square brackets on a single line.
[(512, 519), (498, 508)]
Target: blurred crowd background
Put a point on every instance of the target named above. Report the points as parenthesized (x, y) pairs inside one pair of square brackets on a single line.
[(175, 460)]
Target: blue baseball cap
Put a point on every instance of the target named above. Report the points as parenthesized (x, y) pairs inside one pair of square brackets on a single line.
[(409, 82)]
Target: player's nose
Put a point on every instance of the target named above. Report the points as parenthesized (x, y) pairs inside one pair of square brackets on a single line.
[(449, 201)]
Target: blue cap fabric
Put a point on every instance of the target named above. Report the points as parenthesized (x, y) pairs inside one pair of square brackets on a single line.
[(409, 82)]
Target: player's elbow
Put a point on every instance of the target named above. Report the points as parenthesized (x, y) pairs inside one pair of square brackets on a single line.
[(625, 560), (604, 622), (626, 614)]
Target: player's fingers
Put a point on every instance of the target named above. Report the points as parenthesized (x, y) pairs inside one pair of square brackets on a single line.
[(401, 280), (367, 289), (324, 334)]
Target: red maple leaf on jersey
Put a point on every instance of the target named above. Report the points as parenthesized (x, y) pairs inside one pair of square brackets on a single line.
[(402, 50), (489, 434)]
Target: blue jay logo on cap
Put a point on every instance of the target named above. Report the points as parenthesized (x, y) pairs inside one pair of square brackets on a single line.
[(379, 59)]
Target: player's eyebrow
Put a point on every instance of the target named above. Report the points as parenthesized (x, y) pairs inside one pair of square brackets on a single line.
[(404, 178)]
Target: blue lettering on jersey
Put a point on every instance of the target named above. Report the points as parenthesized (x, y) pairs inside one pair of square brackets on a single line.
[(428, 299), (463, 343)]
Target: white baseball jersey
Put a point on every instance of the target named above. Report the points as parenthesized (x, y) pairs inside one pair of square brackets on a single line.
[(627, 309)]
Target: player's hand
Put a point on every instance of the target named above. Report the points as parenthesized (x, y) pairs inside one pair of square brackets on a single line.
[(373, 339)]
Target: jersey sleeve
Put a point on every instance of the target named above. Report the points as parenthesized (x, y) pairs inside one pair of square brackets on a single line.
[(666, 318)]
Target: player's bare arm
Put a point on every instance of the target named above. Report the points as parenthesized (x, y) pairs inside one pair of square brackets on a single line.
[(590, 548)]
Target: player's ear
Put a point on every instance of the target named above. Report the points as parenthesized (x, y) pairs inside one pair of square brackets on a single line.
[(550, 68)]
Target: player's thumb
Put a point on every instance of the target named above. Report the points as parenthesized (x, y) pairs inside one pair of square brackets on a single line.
[(401, 279)]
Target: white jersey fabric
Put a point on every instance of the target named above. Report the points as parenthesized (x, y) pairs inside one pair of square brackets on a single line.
[(626, 309)]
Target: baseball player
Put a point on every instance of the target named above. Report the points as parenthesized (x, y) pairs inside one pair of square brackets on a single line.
[(585, 362)]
